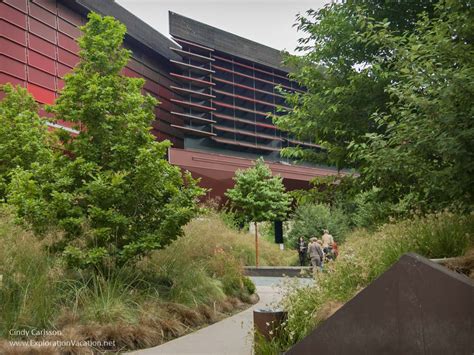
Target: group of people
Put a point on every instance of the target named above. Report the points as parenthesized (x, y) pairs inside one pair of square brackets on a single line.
[(318, 250)]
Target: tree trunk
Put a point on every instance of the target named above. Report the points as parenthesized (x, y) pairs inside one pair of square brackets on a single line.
[(256, 245)]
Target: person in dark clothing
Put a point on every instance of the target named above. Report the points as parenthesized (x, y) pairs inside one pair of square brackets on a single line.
[(302, 247)]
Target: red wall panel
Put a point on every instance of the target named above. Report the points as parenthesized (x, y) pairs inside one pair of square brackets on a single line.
[(41, 95), (49, 5), (12, 32), (131, 73), (13, 15), (37, 51), (19, 4), (67, 43), (5, 78), (166, 105), (42, 15), (42, 46), (13, 50), (12, 67), (41, 62), (42, 30), (60, 84), (67, 58), (70, 16), (62, 70), (152, 86), (41, 78), (66, 28)]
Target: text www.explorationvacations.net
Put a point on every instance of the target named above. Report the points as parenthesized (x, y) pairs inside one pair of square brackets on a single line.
[(65, 343)]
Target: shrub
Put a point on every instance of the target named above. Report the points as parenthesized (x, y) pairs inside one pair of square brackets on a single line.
[(249, 285), (311, 219), (369, 209), (207, 262)]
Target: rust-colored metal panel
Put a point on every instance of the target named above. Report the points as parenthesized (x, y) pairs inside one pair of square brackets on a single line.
[(12, 32), (41, 95), (224, 163), (41, 62), (41, 78), (416, 307), (42, 30), (13, 15), (267, 322), (71, 30), (67, 43), (18, 4), (42, 15), (42, 46), (12, 67), (13, 50)]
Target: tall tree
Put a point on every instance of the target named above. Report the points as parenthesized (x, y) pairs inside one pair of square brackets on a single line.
[(392, 97), (259, 196), (343, 87), (113, 194), (425, 153)]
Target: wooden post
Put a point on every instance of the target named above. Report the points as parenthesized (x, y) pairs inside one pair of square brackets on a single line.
[(256, 245)]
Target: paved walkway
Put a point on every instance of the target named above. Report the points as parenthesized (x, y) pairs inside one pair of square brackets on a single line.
[(230, 336)]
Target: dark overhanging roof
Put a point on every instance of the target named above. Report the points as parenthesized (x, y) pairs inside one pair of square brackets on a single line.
[(198, 32), (136, 28)]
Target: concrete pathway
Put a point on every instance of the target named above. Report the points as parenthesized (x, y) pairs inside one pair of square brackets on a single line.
[(230, 336)]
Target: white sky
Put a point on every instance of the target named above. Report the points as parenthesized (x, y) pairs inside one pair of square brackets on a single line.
[(265, 21)]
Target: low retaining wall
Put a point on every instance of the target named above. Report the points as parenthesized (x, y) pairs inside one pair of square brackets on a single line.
[(278, 271)]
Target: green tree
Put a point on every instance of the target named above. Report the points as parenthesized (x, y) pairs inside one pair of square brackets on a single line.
[(343, 87), (24, 137), (113, 193), (391, 97), (259, 196), (425, 154)]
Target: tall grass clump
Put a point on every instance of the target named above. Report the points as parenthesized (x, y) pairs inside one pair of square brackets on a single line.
[(210, 234), (206, 264), (196, 280), (363, 258), (29, 276)]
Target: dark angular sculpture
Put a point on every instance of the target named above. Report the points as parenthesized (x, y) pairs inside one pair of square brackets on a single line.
[(415, 307)]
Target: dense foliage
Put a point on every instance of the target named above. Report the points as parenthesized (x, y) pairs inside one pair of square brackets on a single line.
[(309, 220), (335, 67), (258, 195), (390, 94), (113, 193), (24, 137), (425, 154)]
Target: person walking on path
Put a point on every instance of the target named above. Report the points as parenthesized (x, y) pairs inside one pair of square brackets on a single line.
[(302, 249), (316, 254), (328, 241)]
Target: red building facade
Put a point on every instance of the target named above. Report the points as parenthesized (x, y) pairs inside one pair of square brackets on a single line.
[(216, 89)]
